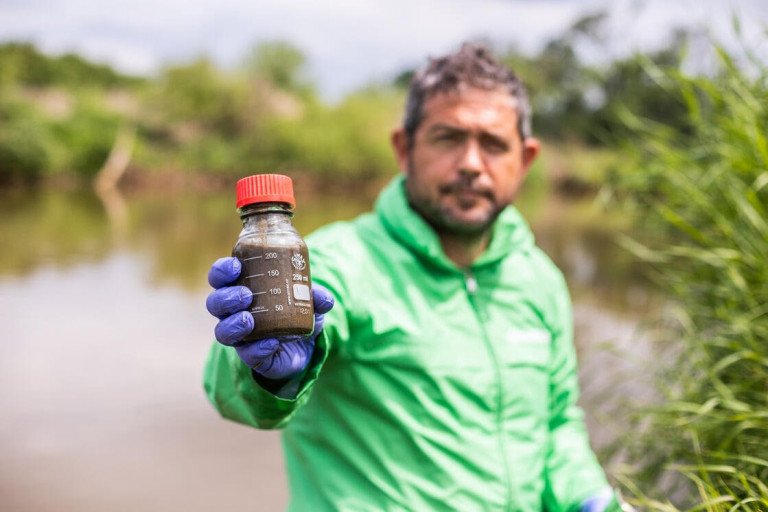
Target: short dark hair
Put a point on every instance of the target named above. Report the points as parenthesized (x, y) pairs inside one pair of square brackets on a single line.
[(473, 65)]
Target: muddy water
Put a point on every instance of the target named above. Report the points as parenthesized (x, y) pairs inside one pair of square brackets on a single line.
[(104, 334)]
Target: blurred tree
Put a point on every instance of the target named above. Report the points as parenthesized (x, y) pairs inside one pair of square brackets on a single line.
[(572, 100), (591, 26), (638, 85), (281, 64), (559, 91), (561, 87), (198, 96), (22, 64), (347, 140), (88, 134), (403, 79), (25, 142)]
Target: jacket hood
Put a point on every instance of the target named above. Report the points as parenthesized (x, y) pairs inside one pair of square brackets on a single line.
[(510, 231)]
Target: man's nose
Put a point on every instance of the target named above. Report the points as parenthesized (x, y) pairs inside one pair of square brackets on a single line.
[(471, 159)]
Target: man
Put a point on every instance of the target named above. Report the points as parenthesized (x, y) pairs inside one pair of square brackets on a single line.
[(444, 378)]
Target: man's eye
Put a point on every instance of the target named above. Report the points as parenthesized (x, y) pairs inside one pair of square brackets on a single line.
[(448, 138), (494, 145)]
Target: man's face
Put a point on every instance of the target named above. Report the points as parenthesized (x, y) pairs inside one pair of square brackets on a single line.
[(466, 162)]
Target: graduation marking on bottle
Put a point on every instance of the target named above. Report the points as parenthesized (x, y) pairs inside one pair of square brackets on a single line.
[(282, 289)]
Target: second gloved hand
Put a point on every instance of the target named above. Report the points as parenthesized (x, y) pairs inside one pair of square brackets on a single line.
[(282, 357)]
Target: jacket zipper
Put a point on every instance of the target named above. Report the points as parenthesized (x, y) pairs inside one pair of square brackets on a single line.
[(470, 284)]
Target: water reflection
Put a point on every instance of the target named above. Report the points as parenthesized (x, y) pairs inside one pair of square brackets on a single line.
[(104, 337), (103, 408), (182, 232), (49, 227)]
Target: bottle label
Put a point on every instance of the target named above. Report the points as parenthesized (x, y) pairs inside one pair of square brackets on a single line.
[(279, 279)]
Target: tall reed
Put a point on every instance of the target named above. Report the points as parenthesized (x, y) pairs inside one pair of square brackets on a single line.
[(701, 199)]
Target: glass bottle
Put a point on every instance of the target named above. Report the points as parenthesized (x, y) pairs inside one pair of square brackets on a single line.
[(275, 260)]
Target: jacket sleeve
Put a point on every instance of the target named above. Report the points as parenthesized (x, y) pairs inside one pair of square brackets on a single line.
[(235, 393), (572, 470)]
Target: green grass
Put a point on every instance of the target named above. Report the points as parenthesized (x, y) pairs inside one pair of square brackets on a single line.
[(701, 200)]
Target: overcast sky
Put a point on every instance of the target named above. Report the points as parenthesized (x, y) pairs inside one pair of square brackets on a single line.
[(348, 42)]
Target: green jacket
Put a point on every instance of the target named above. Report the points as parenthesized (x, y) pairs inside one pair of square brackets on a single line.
[(432, 387)]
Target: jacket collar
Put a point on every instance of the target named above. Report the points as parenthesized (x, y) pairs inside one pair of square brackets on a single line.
[(510, 232)]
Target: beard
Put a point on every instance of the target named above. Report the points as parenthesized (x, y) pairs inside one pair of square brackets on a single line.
[(461, 207)]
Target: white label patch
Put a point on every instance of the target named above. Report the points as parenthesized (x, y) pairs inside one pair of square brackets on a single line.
[(300, 292), (528, 336)]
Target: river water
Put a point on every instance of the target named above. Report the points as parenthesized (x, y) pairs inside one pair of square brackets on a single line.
[(104, 334)]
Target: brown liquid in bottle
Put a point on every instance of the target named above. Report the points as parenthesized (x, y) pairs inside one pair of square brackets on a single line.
[(275, 267)]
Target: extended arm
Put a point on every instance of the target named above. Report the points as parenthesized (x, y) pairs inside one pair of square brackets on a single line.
[(259, 383)]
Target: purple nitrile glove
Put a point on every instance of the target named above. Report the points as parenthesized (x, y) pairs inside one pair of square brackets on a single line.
[(274, 358), (598, 502)]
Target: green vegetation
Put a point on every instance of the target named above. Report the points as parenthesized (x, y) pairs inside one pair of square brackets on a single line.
[(60, 116), (702, 205), (573, 100), (685, 156), (57, 114), (22, 64)]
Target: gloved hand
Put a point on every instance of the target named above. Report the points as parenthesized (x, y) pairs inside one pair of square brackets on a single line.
[(274, 358), (606, 500)]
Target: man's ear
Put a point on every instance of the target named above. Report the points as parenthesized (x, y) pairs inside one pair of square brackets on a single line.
[(531, 149), (401, 148)]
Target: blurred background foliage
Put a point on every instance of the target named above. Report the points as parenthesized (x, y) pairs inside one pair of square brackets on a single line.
[(681, 154), (700, 206), (60, 115)]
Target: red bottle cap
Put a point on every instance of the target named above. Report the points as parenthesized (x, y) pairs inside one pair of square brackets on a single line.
[(265, 188)]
